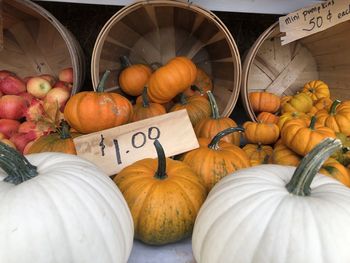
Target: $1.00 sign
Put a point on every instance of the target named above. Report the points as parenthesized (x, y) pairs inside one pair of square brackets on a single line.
[(115, 148), (310, 20)]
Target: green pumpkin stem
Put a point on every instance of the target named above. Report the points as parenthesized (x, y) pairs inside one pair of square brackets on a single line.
[(125, 62), (310, 165), (145, 100), (313, 122), (214, 143), (101, 84), (214, 106), (333, 107), (64, 130), (15, 165), (161, 171), (196, 88), (183, 99)]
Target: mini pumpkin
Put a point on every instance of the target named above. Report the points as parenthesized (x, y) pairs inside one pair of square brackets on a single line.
[(291, 116), (282, 155), (263, 133), (264, 101), (320, 104), (333, 168), (300, 102), (267, 117), (201, 84), (258, 153), (316, 89)]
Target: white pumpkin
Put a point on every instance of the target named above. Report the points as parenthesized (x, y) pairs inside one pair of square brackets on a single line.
[(70, 212), (251, 217)]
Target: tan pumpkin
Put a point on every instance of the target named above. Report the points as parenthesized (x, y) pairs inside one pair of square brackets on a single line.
[(267, 117), (316, 90), (258, 153), (215, 158), (264, 133), (201, 84), (336, 118), (209, 127), (301, 135), (134, 77), (264, 101), (198, 107), (171, 79), (164, 197), (300, 102), (333, 168), (282, 155)]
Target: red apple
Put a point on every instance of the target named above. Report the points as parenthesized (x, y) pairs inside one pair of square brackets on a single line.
[(66, 75), (49, 78), (12, 85), (38, 87), (12, 107), (27, 97), (9, 127), (57, 95), (62, 84), (5, 73), (20, 140), (35, 110)]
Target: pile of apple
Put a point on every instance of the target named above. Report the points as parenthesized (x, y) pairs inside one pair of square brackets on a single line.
[(29, 106)]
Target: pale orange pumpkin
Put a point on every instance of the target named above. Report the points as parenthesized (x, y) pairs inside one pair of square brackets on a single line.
[(264, 101), (264, 133)]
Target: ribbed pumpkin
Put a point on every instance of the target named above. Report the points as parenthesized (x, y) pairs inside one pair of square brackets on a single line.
[(300, 102), (90, 111), (209, 127), (333, 168), (202, 83), (264, 101), (258, 132), (171, 79), (60, 141), (320, 104), (197, 106), (258, 153), (267, 117), (291, 116), (282, 155), (302, 135), (337, 118), (316, 89), (133, 77), (215, 158), (164, 197), (146, 109)]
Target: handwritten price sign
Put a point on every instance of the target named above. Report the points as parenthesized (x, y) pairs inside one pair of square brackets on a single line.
[(115, 148), (311, 20)]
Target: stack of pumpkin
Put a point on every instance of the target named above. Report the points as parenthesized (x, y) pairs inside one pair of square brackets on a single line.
[(289, 127)]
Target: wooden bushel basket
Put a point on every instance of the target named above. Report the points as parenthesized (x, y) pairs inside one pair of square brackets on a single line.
[(33, 42), (156, 31), (283, 70)]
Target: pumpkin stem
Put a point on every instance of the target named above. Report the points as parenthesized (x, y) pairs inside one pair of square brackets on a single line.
[(15, 165), (161, 171), (213, 105), (312, 123), (310, 165), (333, 107), (64, 130), (214, 143), (183, 99), (125, 62), (101, 84), (145, 100), (196, 88), (155, 65)]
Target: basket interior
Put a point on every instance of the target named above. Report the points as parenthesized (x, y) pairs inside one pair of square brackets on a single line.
[(156, 32)]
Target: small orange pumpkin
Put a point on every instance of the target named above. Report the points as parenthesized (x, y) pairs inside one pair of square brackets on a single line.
[(267, 117), (258, 132), (316, 90), (323, 103), (333, 168), (201, 84), (264, 101), (282, 155), (258, 153), (291, 116), (300, 102)]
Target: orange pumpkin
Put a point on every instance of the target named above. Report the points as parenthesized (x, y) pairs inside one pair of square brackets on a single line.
[(337, 118), (333, 168), (90, 111), (215, 158), (264, 133), (300, 102), (290, 116), (209, 127), (264, 101), (201, 84), (282, 155), (316, 90), (171, 79), (323, 103), (267, 117), (146, 109), (258, 153), (133, 78), (302, 135)]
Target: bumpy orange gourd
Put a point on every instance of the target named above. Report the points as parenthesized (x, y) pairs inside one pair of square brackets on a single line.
[(90, 111), (336, 118), (146, 109), (316, 89), (264, 101), (203, 83), (258, 153), (198, 107), (171, 79), (284, 156), (164, 197), (302, 135), (267, 117), (60, 141), (333, 168), (133, 78), (214, 158), (209, 127), (300, 102), (291, 116), (264, 133)]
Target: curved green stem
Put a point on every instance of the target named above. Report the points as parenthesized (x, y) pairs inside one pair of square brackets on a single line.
[(125, 62), (145, 100), (313, 122), (15, 165), (213, 105), (334, 107), (101, 84), (64, 131), (310, 165), (214, 143), (161, 171)]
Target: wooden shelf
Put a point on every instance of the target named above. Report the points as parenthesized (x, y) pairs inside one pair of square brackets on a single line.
[(243, 6)]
